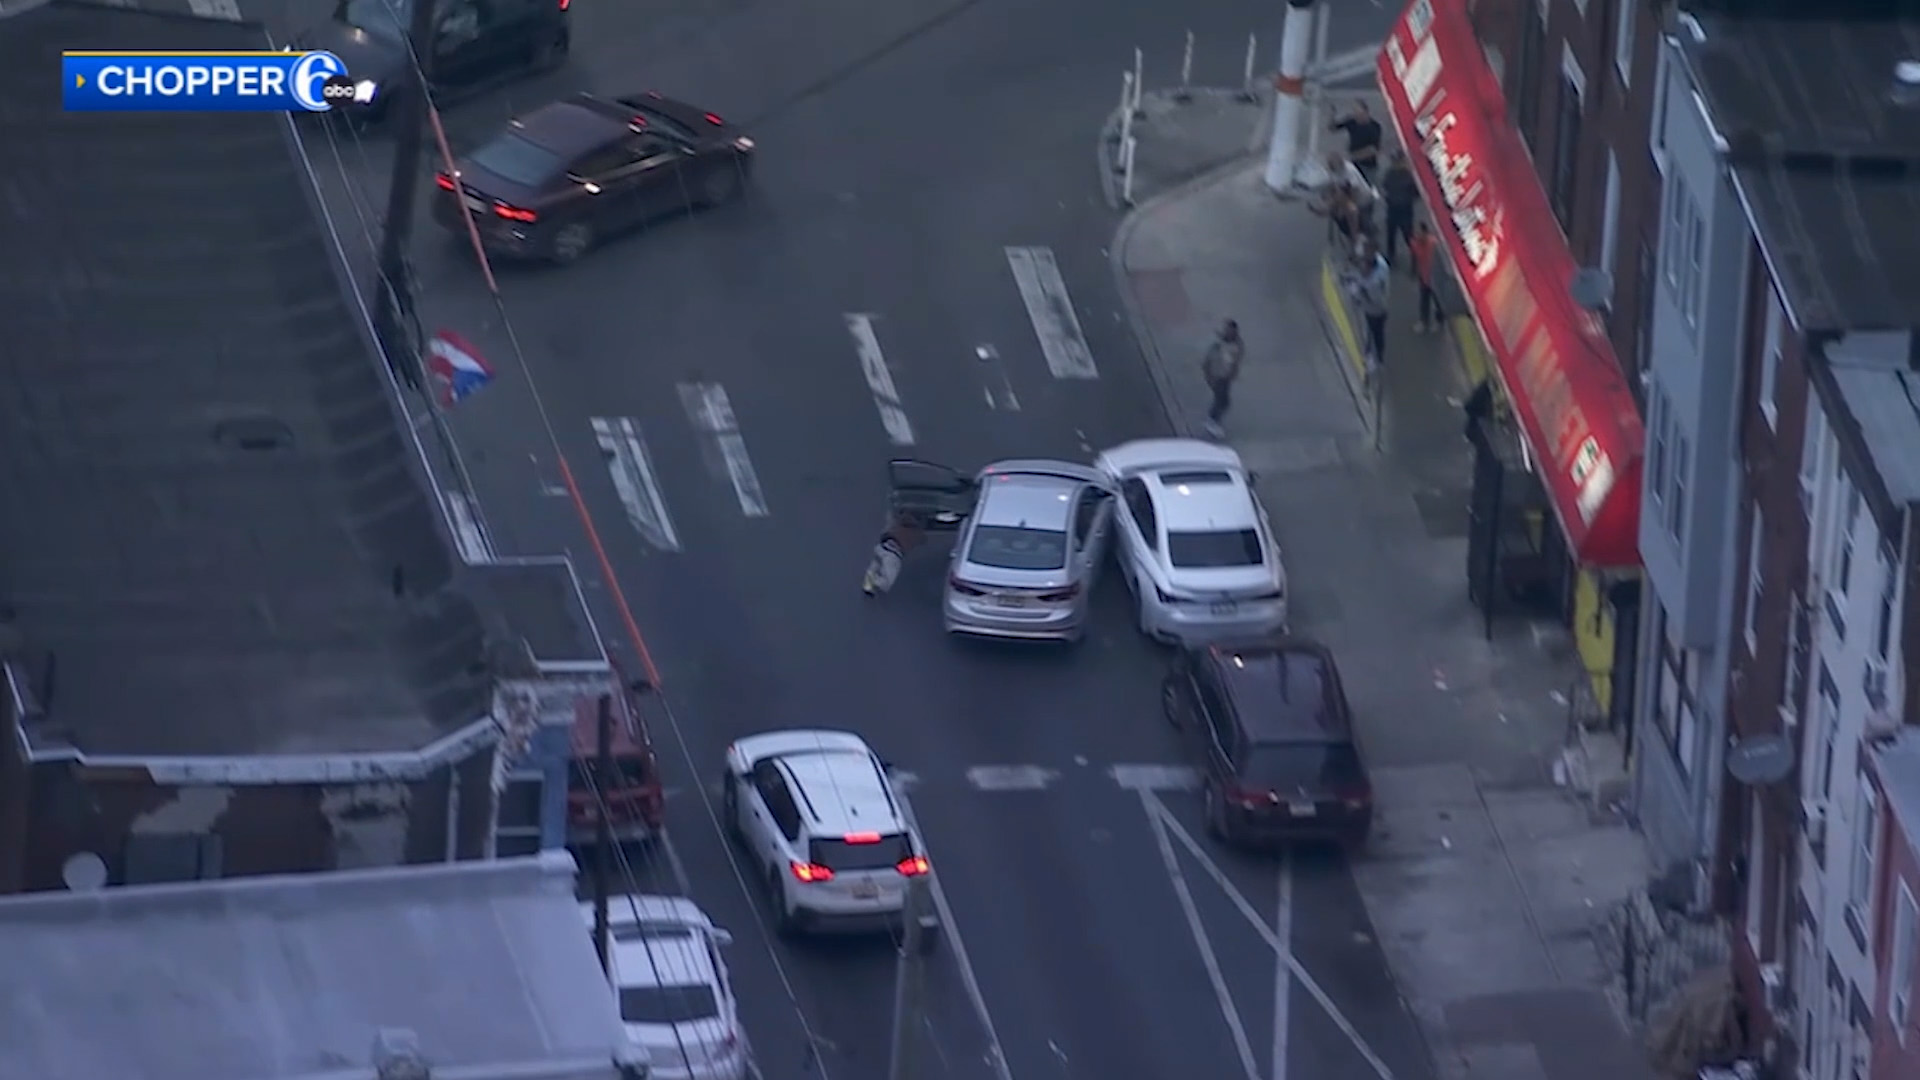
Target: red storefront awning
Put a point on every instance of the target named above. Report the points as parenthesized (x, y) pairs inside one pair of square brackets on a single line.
[(1507, 248)]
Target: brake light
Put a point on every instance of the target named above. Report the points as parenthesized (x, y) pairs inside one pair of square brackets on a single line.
[(963, 588), (1253, 799), (861, 838), (914, 866), (714, 119), (445, 181), (1059, 595), (810, 873), (1356, 797), (514, 213), (565, 4)]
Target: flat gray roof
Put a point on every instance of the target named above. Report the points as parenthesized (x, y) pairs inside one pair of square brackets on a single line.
[(216, 536), (1881, 390), (487, 963), (1897, 763)]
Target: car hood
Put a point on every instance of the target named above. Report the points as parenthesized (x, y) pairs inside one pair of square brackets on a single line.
[(366, 56)]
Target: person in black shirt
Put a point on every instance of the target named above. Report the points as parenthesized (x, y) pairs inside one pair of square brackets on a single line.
[(1401, 194), (1363, 139)]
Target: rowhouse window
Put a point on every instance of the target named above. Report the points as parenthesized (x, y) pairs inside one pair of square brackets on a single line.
[(1829, 720), (1610, 211), (1793, 679), (1566, 135), (1677, 497), (1657, 455), (1842, 576), (1770, 348), (1696, 265), (1524, 93), (1675, 699), (1866, 833), (1889, 584), (1902, 960), (1754, 585), (1623, 40)]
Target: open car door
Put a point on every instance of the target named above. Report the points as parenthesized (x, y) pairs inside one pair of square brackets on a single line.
[(940, 497)]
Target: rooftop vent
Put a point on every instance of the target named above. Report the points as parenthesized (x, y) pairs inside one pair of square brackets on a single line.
[(1906, 82)]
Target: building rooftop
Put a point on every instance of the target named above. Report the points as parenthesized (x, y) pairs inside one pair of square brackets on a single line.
[(486, 963), (1873, 374), (215, 535), (1896, 762), (1821, 123)]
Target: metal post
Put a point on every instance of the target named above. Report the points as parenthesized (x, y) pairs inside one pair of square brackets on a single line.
[(1139, 62), (909, 1006), (602, 829), (1185, 93), (1126, 121), (393, 287), (1246, 74), (1289, 103), (1126, 165)]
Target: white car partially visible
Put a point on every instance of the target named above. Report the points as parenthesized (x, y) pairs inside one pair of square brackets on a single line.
[(672, 986), (1195, 546)]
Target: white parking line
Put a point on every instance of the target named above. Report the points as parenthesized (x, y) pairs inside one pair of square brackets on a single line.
[(1229, 1009), (707, 406), (950, 929), (1051, 310), (1010, 777), (625, 453), (1282, 949), (873, 365)]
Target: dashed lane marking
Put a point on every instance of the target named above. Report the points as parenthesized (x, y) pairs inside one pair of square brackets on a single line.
[(873, 365), (712, 414), (1051, 310), (1010, 777), (625, 453)]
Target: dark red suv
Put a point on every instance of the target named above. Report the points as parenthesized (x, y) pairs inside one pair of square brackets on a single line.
[(1273, 727)]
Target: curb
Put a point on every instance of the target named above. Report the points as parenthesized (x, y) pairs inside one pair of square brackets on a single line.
[(1137, 322), (1344, 343)]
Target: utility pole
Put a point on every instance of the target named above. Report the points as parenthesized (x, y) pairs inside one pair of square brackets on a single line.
[(393, 285), (909, 990), (1289, 96), (603, 830)]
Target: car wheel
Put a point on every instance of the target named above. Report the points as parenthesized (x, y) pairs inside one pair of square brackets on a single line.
[(1216, 809), (551, 53), (786, 921), (721, 184), (570, 242)]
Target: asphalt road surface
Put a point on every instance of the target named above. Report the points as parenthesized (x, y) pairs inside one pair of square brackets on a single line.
[(705, 382)]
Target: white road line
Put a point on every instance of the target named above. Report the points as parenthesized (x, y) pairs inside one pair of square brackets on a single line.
[(634, 481), (999, 388), (1156, 777), (950, 929), (1051, 310), (1282, 978), (467, 533), (1266, 932), (707, 406), (1229, 1009), (873, 364), (1010, 777)]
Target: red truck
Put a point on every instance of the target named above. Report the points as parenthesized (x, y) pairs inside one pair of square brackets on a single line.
[(632, 792)]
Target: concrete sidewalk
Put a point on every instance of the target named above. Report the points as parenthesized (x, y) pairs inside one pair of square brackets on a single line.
[(1486, 881)]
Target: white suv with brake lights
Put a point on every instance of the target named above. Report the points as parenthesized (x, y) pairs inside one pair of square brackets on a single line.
[(1194, 545), (818, 814)]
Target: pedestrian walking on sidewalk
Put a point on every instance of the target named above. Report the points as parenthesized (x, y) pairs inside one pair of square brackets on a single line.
[(1220, 367), (1363, 139), (1367, 282), (1421, 249), (1402, 195)]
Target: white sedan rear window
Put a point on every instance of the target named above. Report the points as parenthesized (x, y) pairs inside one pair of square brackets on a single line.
[(1201, 550), (1008, 547)]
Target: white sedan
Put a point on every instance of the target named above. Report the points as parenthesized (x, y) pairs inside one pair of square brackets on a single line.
[(672, 986), (1194, 543)]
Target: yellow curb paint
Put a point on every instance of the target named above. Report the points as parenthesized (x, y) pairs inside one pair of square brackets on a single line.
[(1337, 309), (1473, 354)]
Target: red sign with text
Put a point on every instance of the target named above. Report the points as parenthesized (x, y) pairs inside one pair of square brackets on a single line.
[(1506, 246)]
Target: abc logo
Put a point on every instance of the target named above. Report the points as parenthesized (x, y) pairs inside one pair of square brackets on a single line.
[(337, 90), (311, 80)]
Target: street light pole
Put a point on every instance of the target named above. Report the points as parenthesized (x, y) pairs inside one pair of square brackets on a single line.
[(393, 286), (1289, 96), (909, 1005)]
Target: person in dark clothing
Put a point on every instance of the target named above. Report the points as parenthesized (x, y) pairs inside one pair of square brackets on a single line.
[(1421, 247), (1363, 139), (1401, 196)]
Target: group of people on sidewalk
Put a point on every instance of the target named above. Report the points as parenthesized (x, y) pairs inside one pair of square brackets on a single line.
[(1373, 211)]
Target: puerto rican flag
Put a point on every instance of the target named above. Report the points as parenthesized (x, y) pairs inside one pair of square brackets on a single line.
[(456, 367)]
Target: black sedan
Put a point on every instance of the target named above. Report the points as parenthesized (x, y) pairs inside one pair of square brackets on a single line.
[(562, 178)]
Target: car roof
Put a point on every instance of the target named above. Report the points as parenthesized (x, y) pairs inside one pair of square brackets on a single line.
[(1285, 691), (1199, 497), (665, 947), (1157, 454), (842, 791), (651, 908), (567, 128), (1026, 500)]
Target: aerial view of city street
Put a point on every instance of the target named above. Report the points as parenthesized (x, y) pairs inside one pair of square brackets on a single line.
[(960, 540)]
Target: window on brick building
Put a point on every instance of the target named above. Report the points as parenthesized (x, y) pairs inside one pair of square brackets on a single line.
[(1523, 93), (1566, 138)]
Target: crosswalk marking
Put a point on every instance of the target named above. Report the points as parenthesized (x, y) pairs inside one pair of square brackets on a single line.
[(1051, 310), (634, 481), (873, 364), (1010, 777), (707, 406)]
